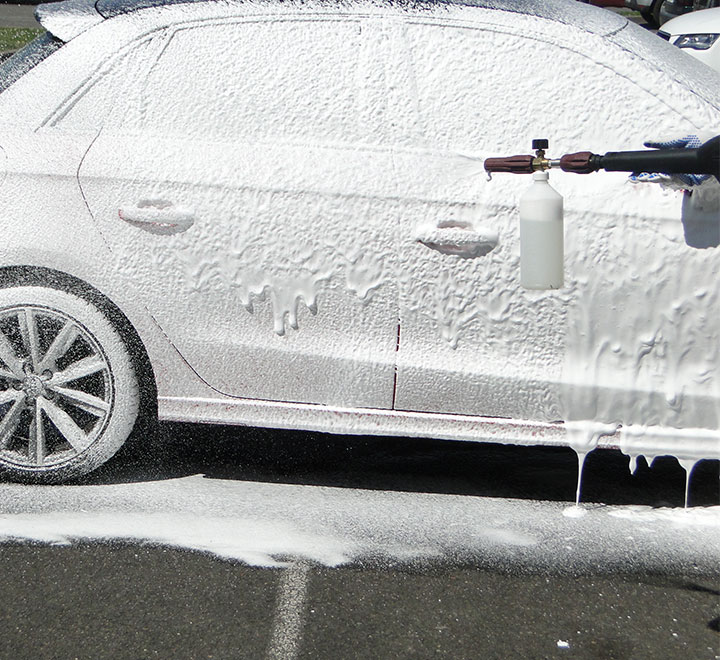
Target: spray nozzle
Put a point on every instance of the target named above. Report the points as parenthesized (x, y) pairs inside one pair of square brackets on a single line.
[(523, 164), (703, 160)]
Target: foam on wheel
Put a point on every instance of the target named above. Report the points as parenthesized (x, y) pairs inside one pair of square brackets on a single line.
[(69, 395)]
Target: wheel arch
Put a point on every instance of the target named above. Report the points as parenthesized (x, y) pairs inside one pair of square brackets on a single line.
[(11, 276)]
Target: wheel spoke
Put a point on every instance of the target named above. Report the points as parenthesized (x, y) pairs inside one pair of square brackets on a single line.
[(10, 395), (85, 367), (7, 355), (36, 448), (65, 424), (28, 330), (87, 402), (10, 422), (64, 340)]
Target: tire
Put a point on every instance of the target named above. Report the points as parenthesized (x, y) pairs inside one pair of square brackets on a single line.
[(69, 394), (652, 15), (656, 7)]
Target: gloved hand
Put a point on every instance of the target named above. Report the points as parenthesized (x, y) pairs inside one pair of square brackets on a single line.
[(675, 181)]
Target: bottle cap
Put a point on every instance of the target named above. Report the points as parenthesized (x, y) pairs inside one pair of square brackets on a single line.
[(541, 176)]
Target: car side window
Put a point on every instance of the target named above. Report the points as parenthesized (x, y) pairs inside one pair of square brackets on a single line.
[(293, 79), (107, 91), (491, 90)]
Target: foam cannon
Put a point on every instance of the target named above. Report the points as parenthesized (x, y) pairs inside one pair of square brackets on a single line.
[(541, 206)]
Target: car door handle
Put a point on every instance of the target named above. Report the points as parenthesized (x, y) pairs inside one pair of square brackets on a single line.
[(459, 241), (158, 217)]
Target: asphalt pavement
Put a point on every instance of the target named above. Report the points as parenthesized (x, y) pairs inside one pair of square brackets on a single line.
[(137, 603), (222, 542), (21, 16)]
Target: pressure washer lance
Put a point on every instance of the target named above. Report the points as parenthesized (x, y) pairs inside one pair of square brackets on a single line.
[(541, 207)]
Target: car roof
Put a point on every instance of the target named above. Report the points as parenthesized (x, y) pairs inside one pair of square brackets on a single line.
[(67, 19)]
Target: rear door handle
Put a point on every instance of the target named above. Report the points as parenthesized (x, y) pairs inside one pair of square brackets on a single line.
[(459, 241), (158, 217)]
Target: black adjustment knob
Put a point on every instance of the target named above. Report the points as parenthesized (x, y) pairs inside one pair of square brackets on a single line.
[(540, 144)]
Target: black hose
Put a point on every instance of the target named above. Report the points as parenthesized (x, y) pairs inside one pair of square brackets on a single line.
[(703, 160)]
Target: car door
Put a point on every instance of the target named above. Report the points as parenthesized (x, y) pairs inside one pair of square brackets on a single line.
[(630, 339), (246, 192)]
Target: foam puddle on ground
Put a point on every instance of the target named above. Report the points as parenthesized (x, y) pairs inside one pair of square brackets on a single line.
[(253, 542), (265, 524)]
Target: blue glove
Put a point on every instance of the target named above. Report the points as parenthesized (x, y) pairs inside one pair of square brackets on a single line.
[(673, 180)]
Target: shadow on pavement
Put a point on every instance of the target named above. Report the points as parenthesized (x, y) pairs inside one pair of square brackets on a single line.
[(404, 464)]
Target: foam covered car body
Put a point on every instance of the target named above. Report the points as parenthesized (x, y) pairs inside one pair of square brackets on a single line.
[(265, 214)]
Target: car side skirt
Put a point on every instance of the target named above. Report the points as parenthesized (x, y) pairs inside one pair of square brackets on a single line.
[(685, 444), (359, 421)]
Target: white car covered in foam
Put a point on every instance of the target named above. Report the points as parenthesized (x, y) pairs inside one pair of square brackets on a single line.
[(259, 213)]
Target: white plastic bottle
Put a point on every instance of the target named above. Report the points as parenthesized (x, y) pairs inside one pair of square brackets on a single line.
[(541, 235)]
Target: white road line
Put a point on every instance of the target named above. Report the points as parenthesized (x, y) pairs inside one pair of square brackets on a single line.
[(289, 613)]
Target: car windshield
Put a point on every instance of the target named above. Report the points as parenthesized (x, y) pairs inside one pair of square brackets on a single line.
[(16, 66)]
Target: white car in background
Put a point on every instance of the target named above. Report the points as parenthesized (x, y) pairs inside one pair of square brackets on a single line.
[(258, 213), (698, 34)]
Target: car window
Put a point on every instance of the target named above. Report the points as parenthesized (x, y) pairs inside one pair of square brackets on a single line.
[(90, 106), (297, 78), (499, 91)]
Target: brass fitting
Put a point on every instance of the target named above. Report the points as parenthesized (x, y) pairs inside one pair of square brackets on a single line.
[(540, 163)]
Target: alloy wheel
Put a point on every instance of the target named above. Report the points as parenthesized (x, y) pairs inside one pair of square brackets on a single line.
[(56, 387)]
